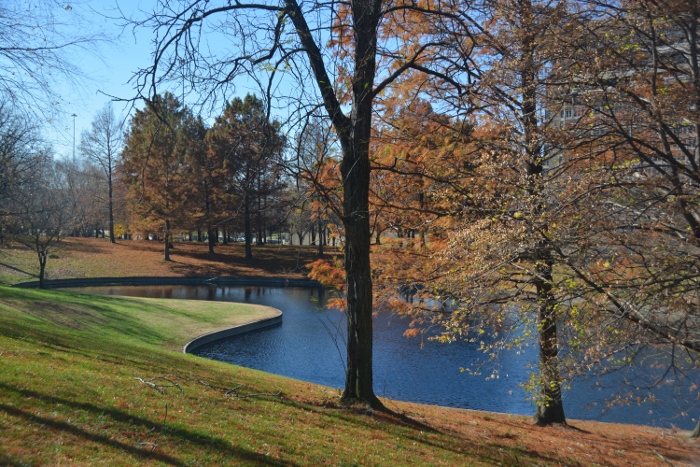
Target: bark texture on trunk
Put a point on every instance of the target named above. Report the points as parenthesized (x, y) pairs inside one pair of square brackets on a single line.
[(166, 241), (550, 408), (211, 239), (354, 135), (355, 171), (359, 378), (247, 227), (42, 267)]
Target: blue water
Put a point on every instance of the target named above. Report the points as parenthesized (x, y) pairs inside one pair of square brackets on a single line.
[(310, 345)]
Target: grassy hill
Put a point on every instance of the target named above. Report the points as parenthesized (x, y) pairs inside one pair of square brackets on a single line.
[(95, 380)]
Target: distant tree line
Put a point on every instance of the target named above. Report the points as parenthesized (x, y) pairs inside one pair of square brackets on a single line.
[(164, 176)]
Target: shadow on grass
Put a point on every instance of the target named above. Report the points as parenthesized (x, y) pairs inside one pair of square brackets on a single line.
[(230, 259), (427, 435), (195, 438), (386, 415), (18, 270), (68, 428)]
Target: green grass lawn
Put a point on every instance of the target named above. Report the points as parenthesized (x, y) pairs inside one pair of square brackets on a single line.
[(95, 380), (88, 380)]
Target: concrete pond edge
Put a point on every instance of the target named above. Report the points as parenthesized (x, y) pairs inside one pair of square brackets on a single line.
[(205, 339)]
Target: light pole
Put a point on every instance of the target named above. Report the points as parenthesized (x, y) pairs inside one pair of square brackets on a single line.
[(74, 115)]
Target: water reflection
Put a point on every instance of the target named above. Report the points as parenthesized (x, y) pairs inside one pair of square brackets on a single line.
[(310, 345)]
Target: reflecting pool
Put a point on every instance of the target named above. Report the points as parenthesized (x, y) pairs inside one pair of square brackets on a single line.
[(310, 345)]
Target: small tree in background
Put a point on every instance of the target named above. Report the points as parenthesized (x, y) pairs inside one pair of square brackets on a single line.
[(42, 211), (102, 146), (20, 142)]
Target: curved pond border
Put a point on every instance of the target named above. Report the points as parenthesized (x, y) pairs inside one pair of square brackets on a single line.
[(146, 280), (192, 281), (205, 339)]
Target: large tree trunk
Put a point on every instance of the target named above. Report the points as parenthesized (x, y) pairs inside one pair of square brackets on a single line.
[(358, 382), (246, 225), (355, 171), (42, 267), (212, 232), (166, 241), (550, 408), (354, 135)]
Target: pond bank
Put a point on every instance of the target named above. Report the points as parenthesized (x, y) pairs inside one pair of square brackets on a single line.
[(210, 337)]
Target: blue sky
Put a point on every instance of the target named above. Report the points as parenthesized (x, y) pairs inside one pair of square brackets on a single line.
[(109, 66), (106, 69)]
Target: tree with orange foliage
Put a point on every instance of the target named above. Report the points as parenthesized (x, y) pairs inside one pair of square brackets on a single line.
[(155, 163), (573, 213), (371, 45), (421, 159), (492, 237), (637, 92)]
